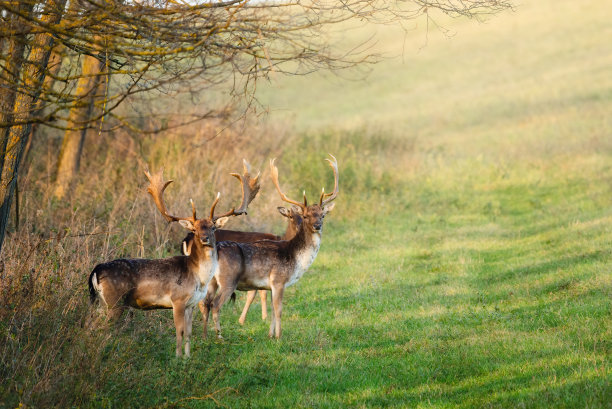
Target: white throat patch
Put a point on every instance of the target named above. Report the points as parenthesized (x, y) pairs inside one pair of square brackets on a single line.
[(305, 258), (208, 268)]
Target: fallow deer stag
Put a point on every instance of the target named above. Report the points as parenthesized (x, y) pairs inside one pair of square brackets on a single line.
[(269, 264), (177, 282)]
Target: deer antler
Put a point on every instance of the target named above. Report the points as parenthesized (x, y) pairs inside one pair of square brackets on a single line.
[(156, 190), (274, 174), (212, 208), (331, 196), (250, 187)]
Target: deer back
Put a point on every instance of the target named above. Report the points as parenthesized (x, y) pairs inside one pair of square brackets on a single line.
[(143, 283), (252, 265)]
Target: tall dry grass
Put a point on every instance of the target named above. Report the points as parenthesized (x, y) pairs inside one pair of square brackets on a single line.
[(48, 355)]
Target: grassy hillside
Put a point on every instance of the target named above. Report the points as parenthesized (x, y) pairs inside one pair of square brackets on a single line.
[(544, 60), (468, 261)]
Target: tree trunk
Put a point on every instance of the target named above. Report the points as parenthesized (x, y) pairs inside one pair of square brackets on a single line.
[(10, 83), (80, 114), (54, 67), (33, 75)]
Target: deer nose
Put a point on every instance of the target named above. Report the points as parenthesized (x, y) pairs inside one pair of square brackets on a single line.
[(317, 226)]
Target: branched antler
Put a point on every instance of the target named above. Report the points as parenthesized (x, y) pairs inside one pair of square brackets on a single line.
[(333, 163), (156, 190), (250, 188), (274, 174)]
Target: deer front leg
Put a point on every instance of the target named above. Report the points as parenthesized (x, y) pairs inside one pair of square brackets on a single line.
[(220, 299), (272, 325), (264, 304), (206, 304), (277, 306), (188, 326), (249, 300), (178, 311)]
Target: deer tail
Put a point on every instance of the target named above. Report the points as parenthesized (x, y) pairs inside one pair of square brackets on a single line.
[(94, 287)]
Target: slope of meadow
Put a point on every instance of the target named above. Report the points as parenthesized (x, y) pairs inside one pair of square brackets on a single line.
[(468, 261)]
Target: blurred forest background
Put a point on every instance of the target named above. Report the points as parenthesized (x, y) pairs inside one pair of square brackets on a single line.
[(467, 262)]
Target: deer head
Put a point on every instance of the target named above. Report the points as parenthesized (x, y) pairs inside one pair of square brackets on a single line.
[(295, 220), (313, 215)]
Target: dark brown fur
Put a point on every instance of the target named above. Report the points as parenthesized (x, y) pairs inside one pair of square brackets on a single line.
[(177, 282)]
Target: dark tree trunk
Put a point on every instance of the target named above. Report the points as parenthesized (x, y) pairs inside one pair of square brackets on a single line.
[(9, 82), (33, 75)]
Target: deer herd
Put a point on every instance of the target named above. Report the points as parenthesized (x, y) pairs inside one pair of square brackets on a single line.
[(215, 262)]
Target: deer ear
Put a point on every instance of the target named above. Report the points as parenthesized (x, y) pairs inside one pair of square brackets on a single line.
[(220, 222), (284, 211), (329, 208), (187, 224)]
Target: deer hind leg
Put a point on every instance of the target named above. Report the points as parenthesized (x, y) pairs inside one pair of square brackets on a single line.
[(250, 297), (178, 311), (206, 304), (277, 306), (110, 301), (188, 325), (264, 304), (220, 299), (116, 307), (99, 313), (115, 313)]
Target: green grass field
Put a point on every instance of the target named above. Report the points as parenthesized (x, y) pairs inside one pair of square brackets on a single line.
[(477, 286), (468, 261)]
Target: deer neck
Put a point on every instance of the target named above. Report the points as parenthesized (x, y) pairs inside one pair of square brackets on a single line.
[(306, 240), (304, 248), (203, 261)]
